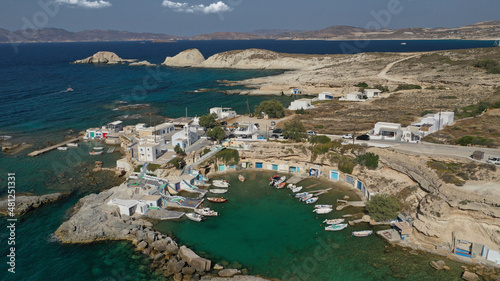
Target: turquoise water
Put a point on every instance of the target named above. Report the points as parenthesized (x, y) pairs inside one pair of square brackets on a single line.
[(35, 109), (272, 234)]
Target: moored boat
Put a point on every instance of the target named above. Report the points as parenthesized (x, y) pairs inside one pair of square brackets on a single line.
[(322, 210), (307, 197), (62, 148), (333, 221), (336, 227), (206, 212), (296, 189), (95, 152), (312, 200), (290, 186), (323, 206), (241, 178), (362, 233), (218, 190), (194, 217), (217, 199), (98, 148), (300, 195), (221, 183), (281, 185), (72, 144)]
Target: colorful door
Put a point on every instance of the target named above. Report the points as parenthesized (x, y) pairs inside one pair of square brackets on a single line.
[(334, 175), (258, 165), (275, 167), (222, 167)]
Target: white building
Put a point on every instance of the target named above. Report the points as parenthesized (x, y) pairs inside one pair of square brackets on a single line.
[(386, 131), (246, 129), (355, 96), (129, 207), (159, 130), (115, 127), (431, 123), (123, 164), (412, 134), (372, 93), (185, 137), (223, 112), (301, 104), (150, 150), (151, 200), (325, 96)]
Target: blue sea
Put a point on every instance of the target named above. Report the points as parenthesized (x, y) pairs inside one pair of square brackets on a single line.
[(37, 110)]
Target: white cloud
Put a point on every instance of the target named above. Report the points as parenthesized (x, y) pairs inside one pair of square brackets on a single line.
[(97, 4), (213, 8)]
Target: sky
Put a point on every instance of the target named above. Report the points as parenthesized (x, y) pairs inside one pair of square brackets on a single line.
[(193, 17)]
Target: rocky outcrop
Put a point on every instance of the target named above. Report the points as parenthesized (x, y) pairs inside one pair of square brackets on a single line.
[(103, 57), (25, 204), (187, 58), (236, 278), (142, 63)]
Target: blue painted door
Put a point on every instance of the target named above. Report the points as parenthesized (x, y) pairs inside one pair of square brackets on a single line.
[(258, 165), (334, 175), (275, 167)]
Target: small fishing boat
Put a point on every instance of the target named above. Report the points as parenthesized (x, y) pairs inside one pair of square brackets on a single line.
[(72, 144), (322, 210), (217, 199), (69, 89), (323, 206), (362, 233), (307, 197), (403, 43), (241, 178), (218, 190), (280, 180), (333, 221), (62, 148), (274, 177), (290, 186), (336, 227), (296, 189), (281, 185), (300, 195), (312, 200), (221, 183), (95, 152), (98, 148), (194, 217), (206, 212)]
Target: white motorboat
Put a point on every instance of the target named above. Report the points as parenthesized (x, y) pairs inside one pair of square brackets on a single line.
[(290, 186), (218, 190), (62, 148), (296, 189), (322, 210), (98, 148), (323, 206), (206, 212), (221, 183), (194, 217), (300, 195), (307, 197), (333, 221), (72, 144), (336, 227), (95, 152), (312, 200)]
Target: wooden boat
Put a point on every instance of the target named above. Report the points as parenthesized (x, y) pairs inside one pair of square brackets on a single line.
[(98, 148), (333, 221), (221, 183), (362, 233), (322, 210), (296, 189), (72, 144), (194, 217), (312, 200), (336, 227), (206, 212), (281, 185), (62, 148), (274, 177), (217, 199), (218, 190), (323, 206), (95, 152), (241, 178)]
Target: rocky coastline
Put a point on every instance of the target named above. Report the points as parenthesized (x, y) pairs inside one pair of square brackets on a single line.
[(27, 203)]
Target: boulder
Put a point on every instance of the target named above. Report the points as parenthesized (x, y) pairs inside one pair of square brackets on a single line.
[(188, 270), (171, 249), (469, 276), (160, 245), (178, 277), (142, 245), (142, 63), (178, 266), (187, 58), (438, 265), (159, 256), (229, 272), (200, 264)]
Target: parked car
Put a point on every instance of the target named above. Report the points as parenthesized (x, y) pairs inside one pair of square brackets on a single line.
[(363, 137), (277, 131), (271, 128), (311, 133), (494, 160), (273, 123), (274, 136), (223, 123), (347, 136)]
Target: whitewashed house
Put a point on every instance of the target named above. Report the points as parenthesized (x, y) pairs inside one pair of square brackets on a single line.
[(325, 96), (150, 150), (355, 96), (151, 200), (160, 130), (223, 112), (412, 134), (386, 131), (301, 104), (246, 129), (129, 207), (372, 93), (185, 137), (115, 127)]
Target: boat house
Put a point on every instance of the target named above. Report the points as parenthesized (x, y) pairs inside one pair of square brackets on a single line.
[(325, 96), (301, 104), (129, 207)]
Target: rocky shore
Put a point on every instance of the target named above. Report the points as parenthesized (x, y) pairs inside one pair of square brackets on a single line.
[(25, 203), (103, 57)]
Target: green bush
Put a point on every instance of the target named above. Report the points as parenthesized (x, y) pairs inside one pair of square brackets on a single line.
[(425, 112), (346, 164), (383, 207), (178, 150), (178, 163), (294, 130), (382, 88), (369, 160), (407, 87), (301, 111), (137, 169), (491, 66), (273, 108), (319, 126), (228, 156), (153, 167), (319, 139), (208, 120), (474, 140), (361, 85), (216, 133)]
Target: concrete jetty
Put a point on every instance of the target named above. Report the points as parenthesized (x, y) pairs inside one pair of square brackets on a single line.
[(50, 148), (349, 203), (295, 179)]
